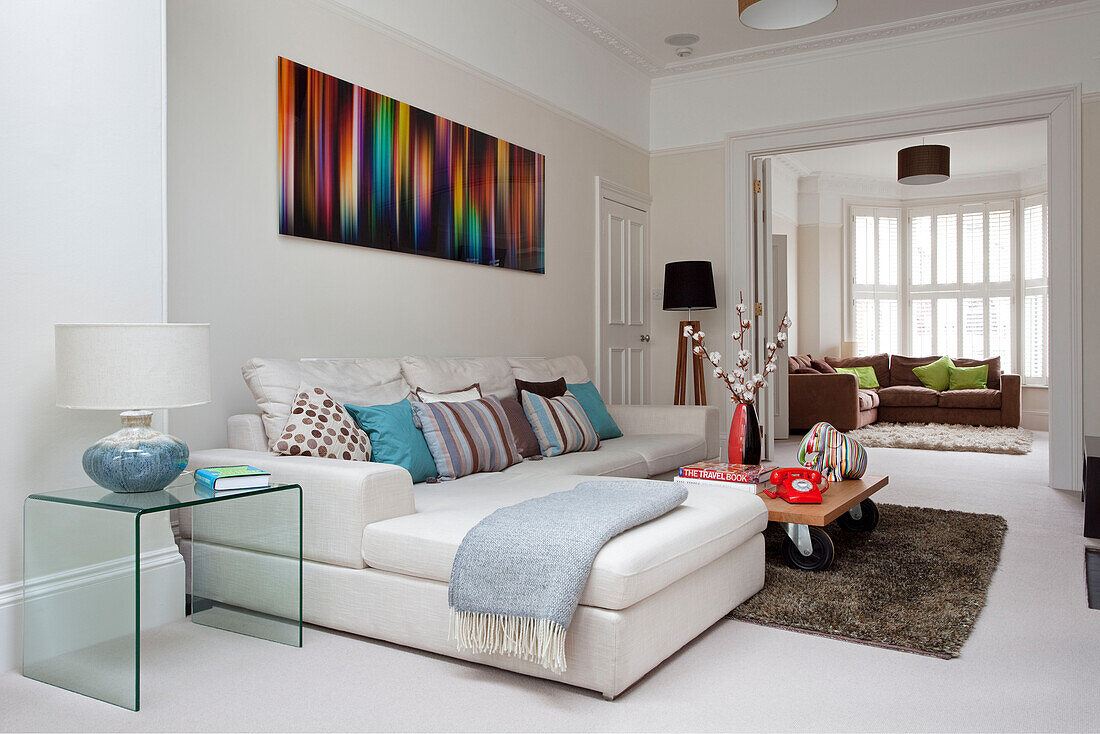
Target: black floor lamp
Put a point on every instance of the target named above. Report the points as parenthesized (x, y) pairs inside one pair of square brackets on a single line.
[(689, 286)]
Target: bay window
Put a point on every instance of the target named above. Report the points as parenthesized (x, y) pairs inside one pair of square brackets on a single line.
[(961, 279)]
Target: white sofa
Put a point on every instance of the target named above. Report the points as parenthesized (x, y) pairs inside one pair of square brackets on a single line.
[(378, 549)]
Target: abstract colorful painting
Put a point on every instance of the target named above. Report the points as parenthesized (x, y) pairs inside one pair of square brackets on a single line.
[(361, 168)]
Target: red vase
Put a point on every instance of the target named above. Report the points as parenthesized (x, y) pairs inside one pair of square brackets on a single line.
[(744, 443)]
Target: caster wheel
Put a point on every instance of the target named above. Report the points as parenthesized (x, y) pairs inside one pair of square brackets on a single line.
[(865, 524), (819, 560)]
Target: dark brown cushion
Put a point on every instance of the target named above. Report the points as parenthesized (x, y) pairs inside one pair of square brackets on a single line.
[(971, 399), (823, 367), (803, 360), (881, 363), (553, 389), (993, 379), (901, 369), (527, 443), (792, 364), (868, 399), (804, 371), (908, 396)]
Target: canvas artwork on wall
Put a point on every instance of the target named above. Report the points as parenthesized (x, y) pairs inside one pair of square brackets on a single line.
[(365, 169)]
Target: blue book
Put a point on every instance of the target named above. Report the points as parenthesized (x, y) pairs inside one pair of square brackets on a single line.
[(233, 477)]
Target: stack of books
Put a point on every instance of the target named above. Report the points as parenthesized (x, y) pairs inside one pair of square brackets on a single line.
[(743, 477), (230, 479)]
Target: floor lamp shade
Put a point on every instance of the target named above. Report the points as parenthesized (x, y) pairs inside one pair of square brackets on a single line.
[(133, 368), (689, 286)]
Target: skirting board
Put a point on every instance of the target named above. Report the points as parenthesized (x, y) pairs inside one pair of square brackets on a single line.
[(1035, 420), (162, 596)]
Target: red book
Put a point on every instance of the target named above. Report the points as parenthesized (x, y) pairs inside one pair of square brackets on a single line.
[(720, 471)]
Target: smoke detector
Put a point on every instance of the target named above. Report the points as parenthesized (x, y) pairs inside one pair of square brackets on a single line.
[(683, 43)]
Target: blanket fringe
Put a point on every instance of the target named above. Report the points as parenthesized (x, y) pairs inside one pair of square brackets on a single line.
[(540, 641)]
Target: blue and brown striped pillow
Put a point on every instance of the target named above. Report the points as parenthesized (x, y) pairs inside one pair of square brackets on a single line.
[(560, 424), (467, 437)]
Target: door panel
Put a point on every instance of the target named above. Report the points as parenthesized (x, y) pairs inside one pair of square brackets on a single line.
[(780, 413), (763, 322), (623, 347)]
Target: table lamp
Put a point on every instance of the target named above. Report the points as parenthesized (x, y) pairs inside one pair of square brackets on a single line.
[(689, 286), (133, 368)]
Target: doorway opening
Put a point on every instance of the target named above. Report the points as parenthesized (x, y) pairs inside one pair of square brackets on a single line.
[(992, 311)]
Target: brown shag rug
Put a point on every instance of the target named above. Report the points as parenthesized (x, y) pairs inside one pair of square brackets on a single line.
[(916, 583), (945, 437)]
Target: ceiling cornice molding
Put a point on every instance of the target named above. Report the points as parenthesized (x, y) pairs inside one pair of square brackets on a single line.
[(601, 31), (1003, 13)]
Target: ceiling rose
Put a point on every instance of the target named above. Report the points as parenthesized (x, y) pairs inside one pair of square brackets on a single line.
[(775, 15)]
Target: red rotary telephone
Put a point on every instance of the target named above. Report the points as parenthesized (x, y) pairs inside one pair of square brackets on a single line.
[(798, 486)]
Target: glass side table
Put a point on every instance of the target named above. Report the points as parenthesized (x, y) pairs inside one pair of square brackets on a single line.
[(82, 577)]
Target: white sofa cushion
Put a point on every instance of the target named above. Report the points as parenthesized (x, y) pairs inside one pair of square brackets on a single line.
[(544, 369), (606, 462), (443, 374), (629, 568), (274, 383), (662, 452)]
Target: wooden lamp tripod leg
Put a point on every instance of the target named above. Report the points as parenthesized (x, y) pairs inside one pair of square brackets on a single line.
[(684, 354)]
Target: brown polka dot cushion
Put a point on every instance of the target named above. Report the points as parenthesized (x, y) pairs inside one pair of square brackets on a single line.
[(319, 426)]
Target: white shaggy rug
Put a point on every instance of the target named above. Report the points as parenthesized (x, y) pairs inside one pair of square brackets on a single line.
[(945, 437)]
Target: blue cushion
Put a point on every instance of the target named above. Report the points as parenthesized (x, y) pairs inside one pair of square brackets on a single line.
[(394, 438), (589, 398)]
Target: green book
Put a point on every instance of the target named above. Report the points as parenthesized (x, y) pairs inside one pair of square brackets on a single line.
[(233, 477)]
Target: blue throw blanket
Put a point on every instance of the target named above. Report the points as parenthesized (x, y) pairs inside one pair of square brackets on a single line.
[(519, 573)]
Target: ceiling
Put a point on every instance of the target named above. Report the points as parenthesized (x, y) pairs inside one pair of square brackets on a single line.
[(1002, 149), (635, 29)]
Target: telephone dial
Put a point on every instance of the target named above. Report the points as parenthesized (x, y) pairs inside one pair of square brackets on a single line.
[(797, 486)]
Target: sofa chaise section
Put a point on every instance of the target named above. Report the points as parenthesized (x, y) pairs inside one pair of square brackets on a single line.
[(377, 549)]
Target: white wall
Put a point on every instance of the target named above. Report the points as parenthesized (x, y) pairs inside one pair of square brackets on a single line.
[(81, 228), (686, 223), (526, 45), (270, 295)]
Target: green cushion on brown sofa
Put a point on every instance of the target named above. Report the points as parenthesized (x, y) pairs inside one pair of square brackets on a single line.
[(935, 375), (881, 363)]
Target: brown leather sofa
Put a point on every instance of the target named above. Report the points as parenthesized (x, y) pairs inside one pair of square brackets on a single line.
[(816, 396)]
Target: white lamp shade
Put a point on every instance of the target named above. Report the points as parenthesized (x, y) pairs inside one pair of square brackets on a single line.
[(776, 15), (132, 366)]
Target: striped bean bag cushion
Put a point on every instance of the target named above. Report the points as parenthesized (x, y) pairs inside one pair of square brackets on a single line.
[(560, 424), (834, 454), (467, 437)]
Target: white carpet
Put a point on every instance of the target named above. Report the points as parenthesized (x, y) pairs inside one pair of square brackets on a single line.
[(945, 437), (1031, 664)]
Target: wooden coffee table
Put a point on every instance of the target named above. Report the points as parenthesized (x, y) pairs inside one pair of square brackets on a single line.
[(808, 546)]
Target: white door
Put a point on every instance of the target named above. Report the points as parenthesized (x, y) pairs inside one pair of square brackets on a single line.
[(764, 321), (623, 293), (779, 307)]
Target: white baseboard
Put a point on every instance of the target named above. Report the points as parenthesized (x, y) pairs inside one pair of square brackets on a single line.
[(1035, 420), (162, 595)]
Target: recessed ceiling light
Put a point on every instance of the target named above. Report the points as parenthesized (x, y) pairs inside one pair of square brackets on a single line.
[(682, 39)]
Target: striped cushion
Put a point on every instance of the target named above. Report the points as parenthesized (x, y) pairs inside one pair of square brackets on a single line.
[(834, 454), (467, 437), (560, 424)]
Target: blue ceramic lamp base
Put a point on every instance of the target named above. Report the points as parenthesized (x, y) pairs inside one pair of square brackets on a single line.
[(136, 458)]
